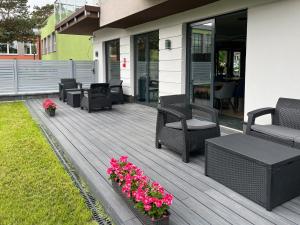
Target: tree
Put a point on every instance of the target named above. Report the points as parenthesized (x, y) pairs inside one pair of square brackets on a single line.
[(40, 14), (15, 21)]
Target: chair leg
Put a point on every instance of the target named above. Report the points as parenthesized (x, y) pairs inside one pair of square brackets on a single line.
[(221, 106), (186, 152), (157, 144), (185, 156)]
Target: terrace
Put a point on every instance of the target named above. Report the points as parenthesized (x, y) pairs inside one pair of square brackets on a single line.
[(90, 140)]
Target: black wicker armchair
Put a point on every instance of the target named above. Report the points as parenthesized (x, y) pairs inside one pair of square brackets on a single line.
[(179, 131), (285, 125), (116, 91), (96, 98), (66, 85)]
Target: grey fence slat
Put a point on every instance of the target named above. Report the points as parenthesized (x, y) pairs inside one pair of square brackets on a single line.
[(85, 72), (36, 76), (6, 76)]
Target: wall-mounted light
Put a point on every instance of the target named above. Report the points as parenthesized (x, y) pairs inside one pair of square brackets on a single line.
[(96, 54), (168, 44)]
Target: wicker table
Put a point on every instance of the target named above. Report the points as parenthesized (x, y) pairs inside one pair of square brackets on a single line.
[(73, 98), (265, 172)]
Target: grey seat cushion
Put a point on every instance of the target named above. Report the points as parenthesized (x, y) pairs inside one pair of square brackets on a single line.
[(192, 124), (284, 133)]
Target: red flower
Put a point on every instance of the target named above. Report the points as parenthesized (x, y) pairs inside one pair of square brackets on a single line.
[(49, 104)]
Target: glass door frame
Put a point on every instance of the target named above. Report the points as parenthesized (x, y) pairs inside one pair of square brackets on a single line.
[(147, 55), (189, 59), (106, 50)]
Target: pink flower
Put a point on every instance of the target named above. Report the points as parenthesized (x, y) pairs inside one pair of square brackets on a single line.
[(158, 203), (147, 200), (147, 207), (168, 199), (123, 158), (110, 171)]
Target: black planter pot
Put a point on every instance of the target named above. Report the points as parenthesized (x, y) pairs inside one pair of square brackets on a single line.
[(50, 112), (146, 220)]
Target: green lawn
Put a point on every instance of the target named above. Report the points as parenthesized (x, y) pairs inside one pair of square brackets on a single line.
[(34, 187)]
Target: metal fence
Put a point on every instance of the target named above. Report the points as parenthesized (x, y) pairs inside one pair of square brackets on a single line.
[(19, 77)]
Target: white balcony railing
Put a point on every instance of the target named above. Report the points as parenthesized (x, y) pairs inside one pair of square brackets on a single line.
[(64, 8)]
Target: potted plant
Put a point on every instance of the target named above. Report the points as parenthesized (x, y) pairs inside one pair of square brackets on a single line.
[(148, 200), (49, 107)]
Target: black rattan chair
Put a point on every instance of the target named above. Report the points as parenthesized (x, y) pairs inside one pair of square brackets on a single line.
[(96, 98), (66, 85), (116, 91), (178, 130), (285, 125)]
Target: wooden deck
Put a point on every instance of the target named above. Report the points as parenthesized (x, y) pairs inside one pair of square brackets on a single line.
[(90, 140)]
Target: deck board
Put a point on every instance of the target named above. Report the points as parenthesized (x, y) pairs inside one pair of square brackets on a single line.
[(90, 140)]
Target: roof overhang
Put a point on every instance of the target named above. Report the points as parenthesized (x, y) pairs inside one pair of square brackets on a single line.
[(158, 11), (82, 22), (87, 19)]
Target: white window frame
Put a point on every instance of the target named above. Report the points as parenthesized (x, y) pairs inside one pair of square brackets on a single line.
[(8, 53), (7, 49), (30, 48)]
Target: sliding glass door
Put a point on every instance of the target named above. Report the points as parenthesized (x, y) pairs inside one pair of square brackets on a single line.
[(201, 62), (112, 52), (146, 67)]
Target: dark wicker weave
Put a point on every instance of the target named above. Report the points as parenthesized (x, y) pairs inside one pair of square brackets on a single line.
[(286, 115), (73, 98), (66, 85), (96, 98), (176, 108), (116, 91), (263, 171)]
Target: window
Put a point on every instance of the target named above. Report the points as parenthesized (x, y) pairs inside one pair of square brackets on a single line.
[(3, 48), (53, 41), (237, 63), (112, 49), (48, 44), (9, 48), (29, 48), (13, 48), (45, 46), (222, 62)]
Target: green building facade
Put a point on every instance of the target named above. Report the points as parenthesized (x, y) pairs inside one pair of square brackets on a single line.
[(57, 46)]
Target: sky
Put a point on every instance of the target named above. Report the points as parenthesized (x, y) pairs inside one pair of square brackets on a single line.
[(39, 2)]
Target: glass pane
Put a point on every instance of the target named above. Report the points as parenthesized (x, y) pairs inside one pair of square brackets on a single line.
[(13, 48), (222, 67), (33, 49), (27, 48), (3, 48), (237, 64), (153, 66), (141, 68), (113, 59), (201, 62)]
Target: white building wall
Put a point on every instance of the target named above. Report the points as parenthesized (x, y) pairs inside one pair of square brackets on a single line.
[(273, 47), (172, 65)]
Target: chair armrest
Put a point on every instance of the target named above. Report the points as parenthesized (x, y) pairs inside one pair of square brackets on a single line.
[(209, 110), (252, 115), (60, 85), (173, 112), (261, 112), (115, 86)]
